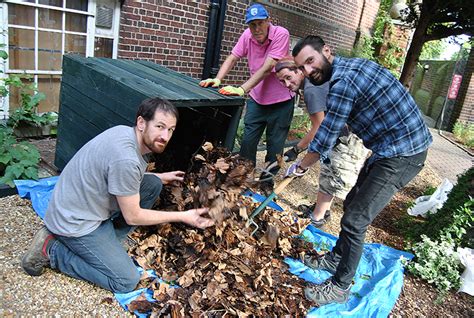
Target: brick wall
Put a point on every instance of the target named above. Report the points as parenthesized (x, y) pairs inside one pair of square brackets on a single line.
[(173, 33), (464, 107), (437, 76)]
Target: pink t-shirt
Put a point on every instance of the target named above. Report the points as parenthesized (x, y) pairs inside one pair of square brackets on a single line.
[(269, 90)]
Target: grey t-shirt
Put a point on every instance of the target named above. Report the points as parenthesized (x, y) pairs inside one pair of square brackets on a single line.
[(315, 96), (84, 196)]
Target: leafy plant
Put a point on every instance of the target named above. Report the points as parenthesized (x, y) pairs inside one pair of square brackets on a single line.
[(379, 47), (455, 212), (462, 221), (30, 97), (429, 190), (434, 239), (464, 132), (302, 123), (432, 50), (18, 160), (437, 263), (29, 101)]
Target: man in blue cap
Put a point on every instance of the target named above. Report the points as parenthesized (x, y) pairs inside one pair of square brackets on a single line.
[(270, 105)]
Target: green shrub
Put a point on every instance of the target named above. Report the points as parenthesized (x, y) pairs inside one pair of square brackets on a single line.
[(464, 132), (456, 211), (437, 263), (18, 160), (434, 239)]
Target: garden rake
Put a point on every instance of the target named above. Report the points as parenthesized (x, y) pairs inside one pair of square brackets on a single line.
[(280, 187)]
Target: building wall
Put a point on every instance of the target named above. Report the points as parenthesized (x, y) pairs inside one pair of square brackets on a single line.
[(173, 33), (464, 107), (430, 88)]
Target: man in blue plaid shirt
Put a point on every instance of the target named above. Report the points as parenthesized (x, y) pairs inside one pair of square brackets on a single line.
[(380, 111)]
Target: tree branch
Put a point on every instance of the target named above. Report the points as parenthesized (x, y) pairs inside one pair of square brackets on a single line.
[(444, 33)]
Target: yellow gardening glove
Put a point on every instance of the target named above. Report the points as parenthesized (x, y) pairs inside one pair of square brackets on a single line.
[(232, 91), (215, 82)]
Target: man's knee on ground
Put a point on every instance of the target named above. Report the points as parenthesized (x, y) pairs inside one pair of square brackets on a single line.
[(125, 285), (151, 186)]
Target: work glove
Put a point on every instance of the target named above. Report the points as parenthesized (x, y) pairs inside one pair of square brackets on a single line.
[(295, 170), (215, 82), (292, 154), (232, 91)]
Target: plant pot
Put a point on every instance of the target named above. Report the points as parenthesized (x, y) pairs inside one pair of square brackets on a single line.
[(27, 131), (6, 190)]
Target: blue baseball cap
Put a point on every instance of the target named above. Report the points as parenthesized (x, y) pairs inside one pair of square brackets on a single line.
[(255, 12)]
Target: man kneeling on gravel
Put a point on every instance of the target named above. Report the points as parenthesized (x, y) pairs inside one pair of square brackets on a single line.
[(101, 194)]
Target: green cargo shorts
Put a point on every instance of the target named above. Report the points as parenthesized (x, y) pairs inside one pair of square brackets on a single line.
[(346, 159)]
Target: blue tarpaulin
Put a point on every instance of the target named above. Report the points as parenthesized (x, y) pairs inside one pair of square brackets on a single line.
[(378, 281), (38, 192)]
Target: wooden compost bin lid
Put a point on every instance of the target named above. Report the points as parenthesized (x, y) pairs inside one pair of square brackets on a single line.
[(99, 93)]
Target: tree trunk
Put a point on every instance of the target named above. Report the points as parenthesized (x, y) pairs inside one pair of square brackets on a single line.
[(413, 54)]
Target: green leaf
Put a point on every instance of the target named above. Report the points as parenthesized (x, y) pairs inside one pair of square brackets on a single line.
[(3, 54), (5, 158), (31, 173)]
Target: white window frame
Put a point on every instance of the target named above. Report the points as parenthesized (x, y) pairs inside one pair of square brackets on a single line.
[(90, 38)]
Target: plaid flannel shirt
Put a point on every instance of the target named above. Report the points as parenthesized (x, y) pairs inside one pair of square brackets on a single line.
[(376, 106)]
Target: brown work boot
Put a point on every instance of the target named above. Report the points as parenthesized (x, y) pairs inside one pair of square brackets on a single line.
[(36, 258), (327, 293)]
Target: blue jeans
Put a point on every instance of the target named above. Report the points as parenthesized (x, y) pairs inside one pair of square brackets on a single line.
[(99, 257), (375, 187), (276, 118)]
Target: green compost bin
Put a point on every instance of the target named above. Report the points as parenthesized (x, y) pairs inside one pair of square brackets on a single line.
[(99, 93)]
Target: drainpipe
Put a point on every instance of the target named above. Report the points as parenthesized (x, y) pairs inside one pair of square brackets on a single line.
[(211, 39), (219, 32), (358, 30)]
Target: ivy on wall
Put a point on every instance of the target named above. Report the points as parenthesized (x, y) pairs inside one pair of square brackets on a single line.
[(382, 47)]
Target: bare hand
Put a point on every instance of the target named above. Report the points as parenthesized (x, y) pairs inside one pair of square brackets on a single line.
[(194, 218), (169, 177)]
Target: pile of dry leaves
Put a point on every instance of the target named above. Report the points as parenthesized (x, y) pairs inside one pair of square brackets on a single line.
[(224, 269)]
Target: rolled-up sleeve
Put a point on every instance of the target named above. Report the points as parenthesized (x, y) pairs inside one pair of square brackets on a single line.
[(341, 99)]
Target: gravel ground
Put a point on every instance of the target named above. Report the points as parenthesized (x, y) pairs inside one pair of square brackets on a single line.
[(54, 294)]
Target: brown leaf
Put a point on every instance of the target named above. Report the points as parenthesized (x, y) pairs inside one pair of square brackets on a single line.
[(271, 236), (207, 146), (187, 278), (150, 167), (140, 304), (194, 300), (221, 165)]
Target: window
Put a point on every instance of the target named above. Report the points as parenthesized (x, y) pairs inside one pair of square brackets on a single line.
[(39, 32)]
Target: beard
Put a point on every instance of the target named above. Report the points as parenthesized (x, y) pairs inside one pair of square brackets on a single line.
[(154, 147), (321, 75), (157, 145)]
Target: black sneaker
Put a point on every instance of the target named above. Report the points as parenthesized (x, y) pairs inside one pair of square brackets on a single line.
[(306, 207), (327, 293), (36, 259), (321, 262), (308, 213)]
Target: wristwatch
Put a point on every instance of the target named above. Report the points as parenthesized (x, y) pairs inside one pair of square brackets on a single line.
[(298, 150)]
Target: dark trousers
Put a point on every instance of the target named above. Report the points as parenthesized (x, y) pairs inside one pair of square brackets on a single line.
[(276, 118), (374, 189)]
